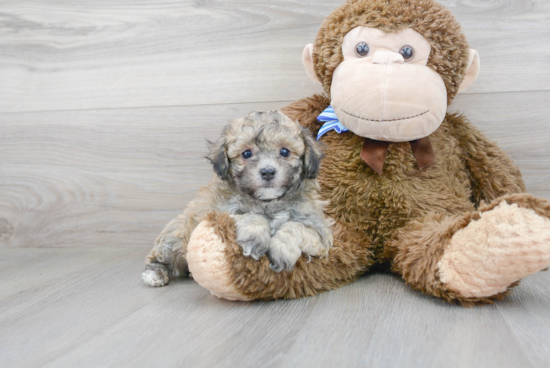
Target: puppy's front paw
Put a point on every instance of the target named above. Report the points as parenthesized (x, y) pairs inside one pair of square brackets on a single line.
[(253, 235), (253, 248), (283, 255), (155, 275)]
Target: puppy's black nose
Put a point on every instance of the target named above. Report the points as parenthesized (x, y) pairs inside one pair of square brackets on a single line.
[(267, 173)]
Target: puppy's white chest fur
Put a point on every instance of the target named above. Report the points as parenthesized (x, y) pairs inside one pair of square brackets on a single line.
[(275, 212), (278, 220)]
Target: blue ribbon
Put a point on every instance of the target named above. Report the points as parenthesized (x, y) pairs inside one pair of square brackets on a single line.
[(331, 122)]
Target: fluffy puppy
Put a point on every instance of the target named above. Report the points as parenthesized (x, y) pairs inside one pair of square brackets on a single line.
[(266, 166)]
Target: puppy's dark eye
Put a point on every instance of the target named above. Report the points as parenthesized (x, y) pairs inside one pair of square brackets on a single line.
[(247, 154), (284, 152)]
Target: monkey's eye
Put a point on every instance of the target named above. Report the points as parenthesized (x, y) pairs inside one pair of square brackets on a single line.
[(284, 152), (407, 52), (362, 49), (247, 154)]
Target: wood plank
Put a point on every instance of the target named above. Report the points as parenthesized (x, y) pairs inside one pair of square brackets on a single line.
[(507, 35), (115, 177), (380, 322), (47, 316), (37, 274), (108, 54), (103, 315), (526, 314)]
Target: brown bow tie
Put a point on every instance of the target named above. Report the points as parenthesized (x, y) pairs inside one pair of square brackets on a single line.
[(374, 153)]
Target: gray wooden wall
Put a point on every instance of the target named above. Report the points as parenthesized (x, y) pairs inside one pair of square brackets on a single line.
[(105, 105)]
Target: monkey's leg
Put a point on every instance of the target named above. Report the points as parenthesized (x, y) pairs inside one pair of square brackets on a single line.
[(217, 263), (476, 257)]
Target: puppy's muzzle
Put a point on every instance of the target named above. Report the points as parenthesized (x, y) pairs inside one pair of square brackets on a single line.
[(268, 173)]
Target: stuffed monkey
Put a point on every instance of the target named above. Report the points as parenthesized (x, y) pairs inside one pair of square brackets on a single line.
[(410, 186)]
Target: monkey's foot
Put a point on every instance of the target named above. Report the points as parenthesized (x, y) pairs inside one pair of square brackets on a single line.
[(505, 245)]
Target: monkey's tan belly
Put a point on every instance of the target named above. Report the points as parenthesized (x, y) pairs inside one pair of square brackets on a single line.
[(382, 204)]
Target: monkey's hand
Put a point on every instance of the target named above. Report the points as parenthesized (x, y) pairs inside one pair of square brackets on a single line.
[(253, 234)]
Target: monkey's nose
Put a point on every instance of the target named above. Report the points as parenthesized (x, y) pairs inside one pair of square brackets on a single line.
[(267, 173), (387, 57)]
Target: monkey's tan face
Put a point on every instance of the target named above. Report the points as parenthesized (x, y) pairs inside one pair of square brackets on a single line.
[(383, 89), (266, 160)]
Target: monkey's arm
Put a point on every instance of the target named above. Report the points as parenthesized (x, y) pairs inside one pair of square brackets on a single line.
[(492, 172), (306, 111)]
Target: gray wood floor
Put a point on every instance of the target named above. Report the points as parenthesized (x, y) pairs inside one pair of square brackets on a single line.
[(105, 106), (69, 307)]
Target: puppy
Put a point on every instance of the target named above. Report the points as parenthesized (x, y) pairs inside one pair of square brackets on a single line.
[(266, 166)]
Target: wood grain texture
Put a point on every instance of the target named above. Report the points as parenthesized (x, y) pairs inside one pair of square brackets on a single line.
[(60, 55), (96, 312)]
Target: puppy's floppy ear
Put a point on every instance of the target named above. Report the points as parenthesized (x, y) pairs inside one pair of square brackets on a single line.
[(312, 155), (218, 158)]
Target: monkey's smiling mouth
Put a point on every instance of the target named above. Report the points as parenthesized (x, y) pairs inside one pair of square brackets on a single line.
[(382, 121)]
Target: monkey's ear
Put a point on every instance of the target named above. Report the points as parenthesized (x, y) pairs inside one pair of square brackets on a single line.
[(312, 155), (307, 59), (218, 158), (472, 72)]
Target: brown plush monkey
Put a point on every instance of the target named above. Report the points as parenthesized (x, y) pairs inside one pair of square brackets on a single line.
[(410, 186)]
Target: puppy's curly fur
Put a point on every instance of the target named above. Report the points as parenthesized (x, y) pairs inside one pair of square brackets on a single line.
[(266, 166)]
